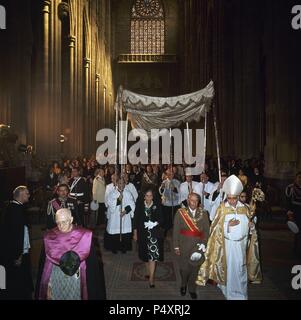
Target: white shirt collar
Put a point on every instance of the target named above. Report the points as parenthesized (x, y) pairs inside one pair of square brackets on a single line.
[(17, 202), (148, 206), (192, 211)]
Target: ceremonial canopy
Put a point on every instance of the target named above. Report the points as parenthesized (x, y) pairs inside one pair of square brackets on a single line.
[(157, 113)]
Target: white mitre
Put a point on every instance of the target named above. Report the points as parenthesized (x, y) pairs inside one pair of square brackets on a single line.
[(233, 186)]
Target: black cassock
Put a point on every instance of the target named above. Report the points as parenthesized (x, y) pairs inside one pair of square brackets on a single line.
[(19, 283), (152, 240)]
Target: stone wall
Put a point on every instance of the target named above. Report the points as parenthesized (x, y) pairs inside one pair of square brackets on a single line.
[(251, 52), (154, 79), (57, 59)]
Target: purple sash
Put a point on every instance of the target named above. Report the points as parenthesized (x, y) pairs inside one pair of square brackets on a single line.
[(56, 244)]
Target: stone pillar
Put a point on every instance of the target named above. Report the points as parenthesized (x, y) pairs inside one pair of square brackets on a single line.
[(72, 137), (46, 37), (87, 113), (43, 107), (97, 105), (282, 96)]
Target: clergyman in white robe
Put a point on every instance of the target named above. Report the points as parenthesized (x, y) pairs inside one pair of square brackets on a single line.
[(236, 239), (118, 234), (208, 188), (185, 189)]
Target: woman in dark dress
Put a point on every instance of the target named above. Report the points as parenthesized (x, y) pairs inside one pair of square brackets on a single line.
[(148, 233)]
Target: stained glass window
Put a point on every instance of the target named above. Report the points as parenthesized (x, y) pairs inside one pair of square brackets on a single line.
[(147, 27)]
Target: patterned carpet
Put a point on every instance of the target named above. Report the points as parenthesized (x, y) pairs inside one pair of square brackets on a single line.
[(165, 271), (124, 273)]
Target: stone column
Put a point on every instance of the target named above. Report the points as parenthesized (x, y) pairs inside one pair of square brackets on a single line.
[(282, 97), (46, 37), (87, 113), (72, 116), (105, 109), (43, 107), (97, 106)]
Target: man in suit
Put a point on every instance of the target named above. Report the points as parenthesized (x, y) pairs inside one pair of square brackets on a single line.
[(15, 246), (190, 235)]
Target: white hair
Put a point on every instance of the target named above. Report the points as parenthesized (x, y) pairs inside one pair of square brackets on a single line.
[(18, 190), (64, 211)]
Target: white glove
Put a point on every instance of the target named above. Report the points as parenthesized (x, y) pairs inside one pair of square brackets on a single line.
[(196, 256), (150, 225), (201, 247)]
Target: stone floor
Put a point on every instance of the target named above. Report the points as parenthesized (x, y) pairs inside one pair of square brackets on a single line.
[(124, 273)]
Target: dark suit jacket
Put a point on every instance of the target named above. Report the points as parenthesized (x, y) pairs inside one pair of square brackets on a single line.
[(12, 233)]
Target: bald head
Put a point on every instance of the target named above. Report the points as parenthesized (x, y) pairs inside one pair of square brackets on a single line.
[(193, 201), (64, 219)]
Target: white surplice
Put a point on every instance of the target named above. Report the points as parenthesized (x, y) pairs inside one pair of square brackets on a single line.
[(214, 204), (207, 187), (132, 189), (113, 212), (236, 247), (109, 188), (186, 188)]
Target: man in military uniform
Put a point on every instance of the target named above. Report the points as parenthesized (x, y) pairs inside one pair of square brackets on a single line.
[(149, 180), (79, 190), (190, 235), (63, 200)]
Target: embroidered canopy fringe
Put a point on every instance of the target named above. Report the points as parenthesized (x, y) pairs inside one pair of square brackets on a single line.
[(149, 113)]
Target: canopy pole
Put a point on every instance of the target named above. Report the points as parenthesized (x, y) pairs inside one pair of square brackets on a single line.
[(121, 142), (117, 109), (205, 140), (188, 140), (126, 139), (170, 150), (217, 143), (116, 131), (188, 145), (121, 146)]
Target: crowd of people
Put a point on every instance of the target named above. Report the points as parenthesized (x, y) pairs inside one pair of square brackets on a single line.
[(212, 222)]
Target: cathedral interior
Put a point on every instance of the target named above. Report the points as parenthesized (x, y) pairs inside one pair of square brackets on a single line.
[(62, 62)]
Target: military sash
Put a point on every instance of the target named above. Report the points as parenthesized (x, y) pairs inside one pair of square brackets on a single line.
[(193, 229)]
